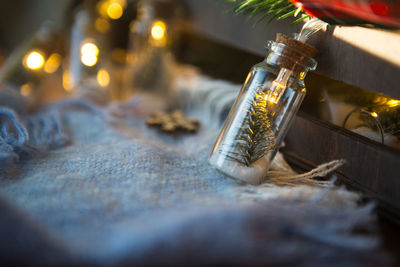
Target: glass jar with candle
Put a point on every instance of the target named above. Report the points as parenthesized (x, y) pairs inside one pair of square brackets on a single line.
[(263, 111)]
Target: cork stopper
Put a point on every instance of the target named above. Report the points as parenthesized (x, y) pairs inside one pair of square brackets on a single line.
[(304, 48), (296, 55)]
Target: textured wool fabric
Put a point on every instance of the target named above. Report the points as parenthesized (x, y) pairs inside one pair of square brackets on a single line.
[(25, 135), (107, 190), (121, 193)]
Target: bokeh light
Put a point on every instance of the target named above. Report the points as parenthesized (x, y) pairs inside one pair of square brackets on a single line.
[(34, 60), (115, 11), (67, 81), (103, 77), (53, 63), (158, 30), (89, 54), (393, 103), (102, 25), (374, 114), (26, 89), (111, 9)]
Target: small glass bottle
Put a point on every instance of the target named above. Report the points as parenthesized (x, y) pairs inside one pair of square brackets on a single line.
[(263, 111), (151, 39), (89, 51)]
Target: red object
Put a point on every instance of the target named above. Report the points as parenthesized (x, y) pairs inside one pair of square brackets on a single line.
[(353, 12)]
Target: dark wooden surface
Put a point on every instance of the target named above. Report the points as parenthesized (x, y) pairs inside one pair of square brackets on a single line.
[(366, 58), (370, 167)]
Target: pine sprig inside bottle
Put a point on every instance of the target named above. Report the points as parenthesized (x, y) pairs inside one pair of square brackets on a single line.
[(254, 136)]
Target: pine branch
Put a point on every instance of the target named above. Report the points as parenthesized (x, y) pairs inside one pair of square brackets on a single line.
[(254, 136), (259, 10)]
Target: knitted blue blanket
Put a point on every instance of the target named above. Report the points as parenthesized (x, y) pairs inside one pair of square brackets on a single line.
[(85, 188)]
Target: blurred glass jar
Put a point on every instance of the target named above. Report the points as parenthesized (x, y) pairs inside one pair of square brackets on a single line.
[(263, 111), (150, 60), (88, 52)]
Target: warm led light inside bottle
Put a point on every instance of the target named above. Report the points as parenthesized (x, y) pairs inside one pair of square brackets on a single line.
[(278, 86), (275, 92)]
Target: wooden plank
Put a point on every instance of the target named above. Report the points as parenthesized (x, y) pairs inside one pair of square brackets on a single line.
[(366, 58), (370, 166)]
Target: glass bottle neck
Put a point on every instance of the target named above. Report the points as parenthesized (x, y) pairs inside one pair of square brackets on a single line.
[(275, 61), (289, 61)]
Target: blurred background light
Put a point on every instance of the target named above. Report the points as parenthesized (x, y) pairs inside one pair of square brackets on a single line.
[(115, 11), (89, 54), (34, 60), (103, 77), (102, 25), (374, 114), (393, 103), (53, 63), (158, 30), (26, 89), (67, 81)]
